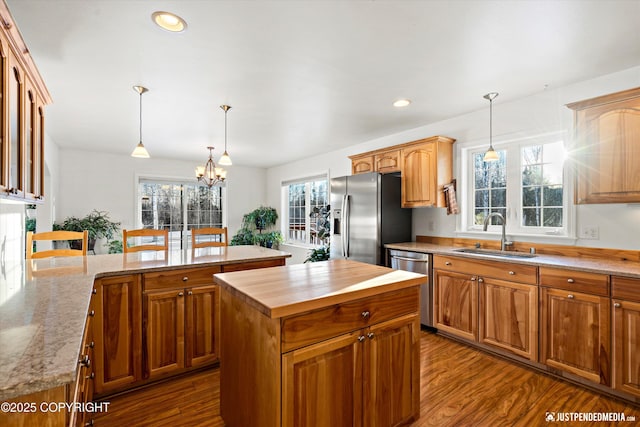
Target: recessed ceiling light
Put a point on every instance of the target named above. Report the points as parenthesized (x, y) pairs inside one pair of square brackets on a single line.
[(402, 103), (168, 21)]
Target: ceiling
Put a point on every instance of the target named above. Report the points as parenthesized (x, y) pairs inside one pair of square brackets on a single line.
[(303, 77)]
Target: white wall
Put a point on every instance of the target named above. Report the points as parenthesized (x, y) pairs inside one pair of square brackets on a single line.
[(619, 224), (91, 180)]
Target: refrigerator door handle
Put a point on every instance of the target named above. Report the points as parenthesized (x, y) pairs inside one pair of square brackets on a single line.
[(347, 221)]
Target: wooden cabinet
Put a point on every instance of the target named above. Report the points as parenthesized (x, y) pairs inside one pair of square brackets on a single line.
[(575, 325), (607, 148), (180, 320), (81, 391), (354, 363), (426, 165), (625, 294), (23, 96), (362, 378), (118, 333), (362, 164), (492, 303)]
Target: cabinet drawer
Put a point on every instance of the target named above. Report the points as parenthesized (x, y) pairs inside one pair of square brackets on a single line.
[(387, 162), (252, 265), (182, 278), (495, 269), (578, 281), (625, 288), (303, 329)]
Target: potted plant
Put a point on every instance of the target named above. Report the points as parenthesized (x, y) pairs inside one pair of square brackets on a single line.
[(322, 228), (262, 218), (259, 219), (97, 223)]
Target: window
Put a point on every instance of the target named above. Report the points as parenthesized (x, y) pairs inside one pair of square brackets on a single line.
[(179, 207), (526, 185), (305, 207)]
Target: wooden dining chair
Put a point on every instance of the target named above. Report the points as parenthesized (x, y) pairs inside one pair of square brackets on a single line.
[(53, 236), (155, 245), (209, 241)]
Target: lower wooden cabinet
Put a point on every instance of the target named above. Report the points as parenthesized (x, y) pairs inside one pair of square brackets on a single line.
[(575, 333), (179, 329), (509, 316), (364, 378), (456, 303), (625, 305), (118, 332)]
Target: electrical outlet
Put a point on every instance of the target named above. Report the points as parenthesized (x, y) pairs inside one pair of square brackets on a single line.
[(589, 232)]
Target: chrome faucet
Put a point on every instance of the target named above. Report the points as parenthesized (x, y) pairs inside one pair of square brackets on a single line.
[(503, 240)]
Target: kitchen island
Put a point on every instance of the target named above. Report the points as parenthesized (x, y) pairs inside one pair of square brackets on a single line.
[(46, 304), (328, 343)]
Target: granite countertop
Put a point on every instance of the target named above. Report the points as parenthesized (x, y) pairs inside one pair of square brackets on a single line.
[(294, 289), (44, 304), (593, 265)]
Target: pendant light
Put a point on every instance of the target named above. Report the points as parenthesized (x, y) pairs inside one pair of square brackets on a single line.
[(491, 155), (225, 159), (140, 151)]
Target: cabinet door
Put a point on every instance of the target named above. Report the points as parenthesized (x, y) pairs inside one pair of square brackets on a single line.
[(626, 346), (16, 128), (322, 383), (202, 312), (391, 372), (607, 130), (163, 332), (575, 333), (362, 165), (4, 145), (387, 162), (118, 332), (419, 175), (456, 304), (509, 316)]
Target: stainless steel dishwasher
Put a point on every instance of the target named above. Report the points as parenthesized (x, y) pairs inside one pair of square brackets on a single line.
[(420, 263)]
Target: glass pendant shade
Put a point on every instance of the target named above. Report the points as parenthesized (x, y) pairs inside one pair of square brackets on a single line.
[(140, 151), (225, 160), (490, 155)]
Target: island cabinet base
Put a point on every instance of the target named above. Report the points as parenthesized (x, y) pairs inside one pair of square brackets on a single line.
[(362, 369)]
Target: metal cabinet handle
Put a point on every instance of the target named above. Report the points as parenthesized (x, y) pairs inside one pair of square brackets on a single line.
[(185, 278), (512, 273), (85, 361), (90, 345), (361, 338), (92, 313), (473, 278), (94, 291), (570, 296), (190, 293), (570, 281), (89, 424), (370, 335), (90, 377), (447, 263), (180, 294), (365, 314), (480, 280), (617, 305)]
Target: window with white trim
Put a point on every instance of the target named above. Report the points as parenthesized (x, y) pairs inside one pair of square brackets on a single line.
[(526, 185), (303, 201), (179, 207)]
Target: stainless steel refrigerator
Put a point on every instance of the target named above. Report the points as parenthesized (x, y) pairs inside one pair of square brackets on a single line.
[(367, 214)]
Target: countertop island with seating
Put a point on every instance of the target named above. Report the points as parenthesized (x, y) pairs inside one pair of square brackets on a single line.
[(44, 305)]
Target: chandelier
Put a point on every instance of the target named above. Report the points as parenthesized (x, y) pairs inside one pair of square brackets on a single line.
[(210, 174)]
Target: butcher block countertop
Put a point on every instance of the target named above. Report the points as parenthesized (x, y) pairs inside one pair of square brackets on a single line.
[(284, 291), (44, 304), (602, 265)]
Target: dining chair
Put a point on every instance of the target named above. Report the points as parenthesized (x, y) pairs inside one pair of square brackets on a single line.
[(83, 236), (153, 245), (210, 240)]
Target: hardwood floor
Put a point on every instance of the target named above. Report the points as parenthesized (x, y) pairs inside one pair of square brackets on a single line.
[(460, 386)]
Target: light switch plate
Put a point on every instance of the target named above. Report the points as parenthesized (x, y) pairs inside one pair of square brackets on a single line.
[(589, 232)]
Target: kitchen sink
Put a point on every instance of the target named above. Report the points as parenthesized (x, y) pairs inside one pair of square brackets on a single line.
[(496, 253)]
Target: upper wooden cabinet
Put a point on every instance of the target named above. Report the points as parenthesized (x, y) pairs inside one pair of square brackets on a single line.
[(23, 96), (607, 148), (426, 165)]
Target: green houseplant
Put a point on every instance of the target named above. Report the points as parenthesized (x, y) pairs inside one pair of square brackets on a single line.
[(260, 219), (322, 226), (97, 223)]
